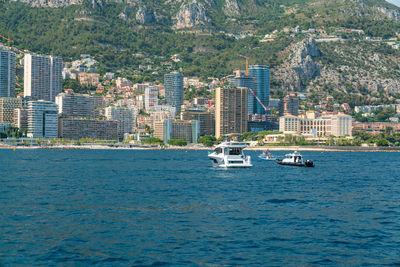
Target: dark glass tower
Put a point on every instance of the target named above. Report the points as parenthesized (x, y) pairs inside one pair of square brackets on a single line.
[(174, 90), (260, 73)]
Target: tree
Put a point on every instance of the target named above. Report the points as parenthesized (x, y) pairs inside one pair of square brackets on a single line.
[(153, 140), (207, 140), (382, 142), (177, 142)]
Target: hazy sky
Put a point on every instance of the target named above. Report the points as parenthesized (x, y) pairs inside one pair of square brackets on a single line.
[(395, 2)]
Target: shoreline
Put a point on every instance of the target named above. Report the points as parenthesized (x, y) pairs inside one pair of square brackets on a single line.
[(261, 148)]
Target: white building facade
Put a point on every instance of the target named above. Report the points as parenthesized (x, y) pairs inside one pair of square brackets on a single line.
[(42, 119), (42, 77)]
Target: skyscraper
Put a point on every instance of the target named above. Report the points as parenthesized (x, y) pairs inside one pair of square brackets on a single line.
[(42, 77), (241, 80), (7, 72), (230, 110), (260, 73), (174, 90), (42, 119)]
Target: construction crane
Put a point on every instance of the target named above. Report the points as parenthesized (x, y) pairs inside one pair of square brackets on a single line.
[(259, 100), (247, 63), (266, 108), (8, 39)]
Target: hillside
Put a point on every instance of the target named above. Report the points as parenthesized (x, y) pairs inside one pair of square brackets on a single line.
[(208, 33)]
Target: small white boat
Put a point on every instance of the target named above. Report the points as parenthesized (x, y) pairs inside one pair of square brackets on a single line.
[(295, 159), (266, 156), (230, 155)]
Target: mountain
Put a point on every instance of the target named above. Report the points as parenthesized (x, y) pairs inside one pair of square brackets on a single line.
[(208, 35)]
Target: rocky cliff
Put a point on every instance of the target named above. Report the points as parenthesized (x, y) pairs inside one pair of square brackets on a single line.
[(190, 15), (300, 65)]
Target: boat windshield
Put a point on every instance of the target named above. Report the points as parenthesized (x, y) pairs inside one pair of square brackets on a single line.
[(218, 150), (235, 151)]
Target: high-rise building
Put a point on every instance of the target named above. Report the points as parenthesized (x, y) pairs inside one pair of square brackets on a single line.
[(77, 128), (150, 97), (187, 130), (289, 105), (42, 77), (241, 80), (75, 105), (174, 90), (124, 116), (7, 72), (206, 119), (7, 106), (260, 73), (42, 119), (231, 114)]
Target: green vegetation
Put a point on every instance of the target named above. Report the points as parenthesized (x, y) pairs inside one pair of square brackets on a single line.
[(177, 142), (153, 140), (379, 115), (207, 140)]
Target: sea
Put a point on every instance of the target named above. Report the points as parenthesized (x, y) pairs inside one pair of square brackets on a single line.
[(172, 208)]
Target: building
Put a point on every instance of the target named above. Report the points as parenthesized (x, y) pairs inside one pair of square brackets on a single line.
[(77, 128), (174, 90), (206, 119), (376, 127), (124, 116), (231, 113), (150, 97), (336, 125), (261, 76), (241, 80), (7, 106), (89, 79), (187, 130), (75, 105), (289, 105), (42, 119), (21, 119), (42, 77), (289, 124), (7, 72), (159, 116)]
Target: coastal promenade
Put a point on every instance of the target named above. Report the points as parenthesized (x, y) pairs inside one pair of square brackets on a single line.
[(201, 147)]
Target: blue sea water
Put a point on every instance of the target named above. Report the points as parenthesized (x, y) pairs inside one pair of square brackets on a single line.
[(135, 208)]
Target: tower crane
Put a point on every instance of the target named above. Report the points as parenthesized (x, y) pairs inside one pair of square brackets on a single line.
[(247, 62), (8, 39)]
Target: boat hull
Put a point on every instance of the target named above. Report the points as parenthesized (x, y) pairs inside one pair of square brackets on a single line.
[(307, 164), (265, 158), (220, 162)]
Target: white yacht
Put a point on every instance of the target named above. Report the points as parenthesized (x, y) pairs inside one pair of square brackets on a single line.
[(230, 155), (295, 159)]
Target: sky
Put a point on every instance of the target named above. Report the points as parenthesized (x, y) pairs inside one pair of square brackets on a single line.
[(395, 2)]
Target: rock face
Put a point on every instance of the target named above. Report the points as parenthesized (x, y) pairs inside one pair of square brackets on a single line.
[(301, 66), (389, 13), (231, 8), (145, 16), (190, 15), (51, 3), (95, 4)]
